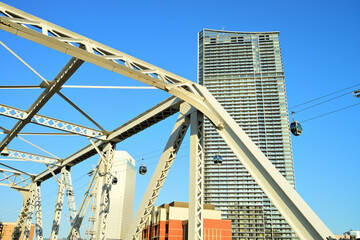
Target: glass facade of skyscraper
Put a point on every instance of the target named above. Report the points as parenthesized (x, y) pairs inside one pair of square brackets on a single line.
[(244, 73)]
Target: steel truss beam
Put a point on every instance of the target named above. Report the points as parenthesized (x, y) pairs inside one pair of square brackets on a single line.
[(33, 201), (70, 195), (196, 178), (51, 122), (15, 179), (32, 157), (100, 55), (58, 206), (105, 183), (38, 214), (294, 209), (65, 185), (53, 87), (30, 213), (90, 225), (74, 232), (145, 120), (28, 196), (160, 173)]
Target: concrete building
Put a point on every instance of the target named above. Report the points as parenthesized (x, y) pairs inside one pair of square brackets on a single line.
[(170, 222), (121, 197), (351, 234), (244, 73), (7, 228)]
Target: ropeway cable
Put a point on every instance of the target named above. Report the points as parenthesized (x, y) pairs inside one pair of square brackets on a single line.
[(323, 96), (322, 115)]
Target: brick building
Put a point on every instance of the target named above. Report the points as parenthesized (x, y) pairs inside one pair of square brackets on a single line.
[(7, 228), (170, 222)]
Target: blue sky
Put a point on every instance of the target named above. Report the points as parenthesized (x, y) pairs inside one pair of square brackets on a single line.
[(320, 49)]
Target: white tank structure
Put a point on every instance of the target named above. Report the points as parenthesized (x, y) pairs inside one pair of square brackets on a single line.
[(122, 196)]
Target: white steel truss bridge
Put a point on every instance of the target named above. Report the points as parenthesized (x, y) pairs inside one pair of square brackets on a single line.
[(189, 100)]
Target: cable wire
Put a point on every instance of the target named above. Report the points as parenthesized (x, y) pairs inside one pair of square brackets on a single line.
[(322, 115), (323, 102), (324, 96)]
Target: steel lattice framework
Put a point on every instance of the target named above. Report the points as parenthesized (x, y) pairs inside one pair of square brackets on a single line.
[(193, 101)]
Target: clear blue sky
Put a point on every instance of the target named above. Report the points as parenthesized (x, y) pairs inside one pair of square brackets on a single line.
[(320, 50)]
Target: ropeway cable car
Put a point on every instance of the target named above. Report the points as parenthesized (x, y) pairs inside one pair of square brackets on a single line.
[(356, 93), (295, 126), (142, 168), (114, 181), (217, 160)]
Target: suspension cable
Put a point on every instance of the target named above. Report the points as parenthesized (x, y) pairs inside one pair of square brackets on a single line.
[(324, 96), (322, 115), (317, 104)]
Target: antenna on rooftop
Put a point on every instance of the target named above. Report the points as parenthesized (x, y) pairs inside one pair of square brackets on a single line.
[(223, 29)]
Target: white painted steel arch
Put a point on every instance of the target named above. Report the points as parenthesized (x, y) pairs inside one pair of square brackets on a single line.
[(294, 209)]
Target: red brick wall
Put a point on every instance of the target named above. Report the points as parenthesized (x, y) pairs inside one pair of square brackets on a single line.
[(9, 228), (217, 229), (213, 230), (175, 230)]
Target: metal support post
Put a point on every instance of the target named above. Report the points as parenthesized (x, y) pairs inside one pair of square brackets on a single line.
[(58, 206), (160, 173), (106, 179), (30, 213), (90, 191), (70, 194), (27, 195), (38, 213), (90, 226), (196, 178)]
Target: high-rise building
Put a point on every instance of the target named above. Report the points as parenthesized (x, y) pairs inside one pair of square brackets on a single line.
[(122, 196), (244, 73)]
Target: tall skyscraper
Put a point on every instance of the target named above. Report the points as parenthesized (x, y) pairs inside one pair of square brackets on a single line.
[(244, 73)]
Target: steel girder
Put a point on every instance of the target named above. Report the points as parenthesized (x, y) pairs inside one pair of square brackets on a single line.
[(53, 87), (145, 120), (32, 199), (58, 206), (294, 209), (70, 194), (74, 232), (38, 214), (196, 178), (32, 157), (160, 173), (15, 179), (30, 213), (65, 185), (28, 198), (51, 122), (105, 184), (90, 225)]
